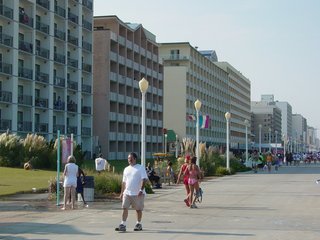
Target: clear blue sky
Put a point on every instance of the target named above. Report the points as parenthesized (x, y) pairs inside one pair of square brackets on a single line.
[(274, 43)]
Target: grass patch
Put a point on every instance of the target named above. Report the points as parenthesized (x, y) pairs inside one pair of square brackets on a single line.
[(15, 180)]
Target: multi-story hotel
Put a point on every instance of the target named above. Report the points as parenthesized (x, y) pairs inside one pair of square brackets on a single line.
[(124, 53), (240, 109), (190, 75), (46, 68)]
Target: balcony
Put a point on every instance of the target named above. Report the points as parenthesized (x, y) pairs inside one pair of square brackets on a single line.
[(87, 67), (59, 105), (5, 124), (73, 18), (5, 96), (72, 107), (41, 127), (87, 46), (60, 34), (60, 11), (86, 110), (59, 58), (24, 18), (42, 27), (72, 85), (72, 62), (24, 126), (25, 73), (25, 99), (72, 129), (6, 11), (73, 40), (86, 88), (87, 3), (6, 40), (59, 81), (87, 25), (58, 127), (44, 3), (41, 102), (86, 131), (42, 52), (5, 68), (42, 77), (25, 46)]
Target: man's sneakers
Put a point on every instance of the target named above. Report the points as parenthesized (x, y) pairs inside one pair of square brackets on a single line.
[(138, 227), (121, 228)]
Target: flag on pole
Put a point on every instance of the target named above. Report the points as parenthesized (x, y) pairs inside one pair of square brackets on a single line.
[(191, 117), (204, 121)]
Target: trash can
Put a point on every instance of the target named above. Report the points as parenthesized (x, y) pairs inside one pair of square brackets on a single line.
[(88, 189)]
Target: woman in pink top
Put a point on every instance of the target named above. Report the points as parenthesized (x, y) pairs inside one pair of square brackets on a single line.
[(185, 172), (193, 181)]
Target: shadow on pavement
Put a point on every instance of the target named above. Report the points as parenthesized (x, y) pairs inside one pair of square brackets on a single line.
[(197, 233)]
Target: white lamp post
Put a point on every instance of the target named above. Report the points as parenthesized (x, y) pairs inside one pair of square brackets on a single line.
[(228, 116), (246, 123), (270, 140), (260, 127), (197, 105), (165, 143), (284, 147), (143, 85), (276, 139), (177, 146)]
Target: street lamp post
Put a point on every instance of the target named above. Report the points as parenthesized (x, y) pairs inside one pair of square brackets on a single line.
[(260, 127), (143, 85), (177, 146), (246, 123), (197, 105), (165, 143), (276, 139), (228, 116), (270, 140), (284, 147)]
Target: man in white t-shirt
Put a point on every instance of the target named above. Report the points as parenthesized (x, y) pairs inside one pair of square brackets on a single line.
[(132, 191), (101, 163)]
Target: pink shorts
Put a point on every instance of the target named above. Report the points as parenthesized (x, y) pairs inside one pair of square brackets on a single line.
[(192, 181)]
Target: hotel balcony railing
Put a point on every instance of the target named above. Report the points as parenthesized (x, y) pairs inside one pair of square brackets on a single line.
[(25, 19), (25, 73), (73, 40), (42, 52), (72, 107), (60, 11), (5, 124), (59, 127), (42, 27), (87, 46), (60, 58), (86, 110), (44, 3), (41, 102), (72, 85), (59, 81), (41, 127), (87, 67), (6, 11), (24, 126), (5, 96), (59, 105), (86, 131), (73, 18), (87, 25), (87, 3), (72, 129), (60, 34), (42, 77), (73, 62), (86, 88), (25, 99), (6, 40), (6, 68), (25, 46)]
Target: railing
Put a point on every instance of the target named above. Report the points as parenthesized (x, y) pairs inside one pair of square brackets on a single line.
[(42, 77), (60, 11), (72, 129), (73, 40), (25, 73), (86, 24), (41, 127), (42, 52), (59, 127), (6, 68), (72, 107), (59, 105), (25, 46), (73, 18), (25, 99), (73, 62), (25, 19), (60, 34), (72, 85), (6, 11), (86, 88), (86, 110), (24, 126), (60, 58), (42, 27), (87, 46), (41, 102), (86, 131), (59, 81), (44, 3), (6, 40), (5, 124), (87, 67), (87, 3), (5, 96)]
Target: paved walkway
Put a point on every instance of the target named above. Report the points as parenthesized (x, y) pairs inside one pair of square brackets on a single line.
[(282, 205)]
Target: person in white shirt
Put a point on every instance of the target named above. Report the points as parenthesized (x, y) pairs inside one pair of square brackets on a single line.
[(132, 191), (70, 181), (101, 163)]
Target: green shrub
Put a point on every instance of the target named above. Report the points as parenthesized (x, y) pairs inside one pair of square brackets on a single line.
[(11, 150), (107, 183), (221, 171)]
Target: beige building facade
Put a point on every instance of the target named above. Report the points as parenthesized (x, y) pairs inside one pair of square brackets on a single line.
[(124, 53)]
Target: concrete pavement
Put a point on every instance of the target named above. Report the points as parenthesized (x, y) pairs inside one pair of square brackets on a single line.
[(282, 205)]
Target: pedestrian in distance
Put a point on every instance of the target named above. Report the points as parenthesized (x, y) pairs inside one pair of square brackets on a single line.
[(81, 181), (70, 174), (184, 171), (101, 163), (132, 191)]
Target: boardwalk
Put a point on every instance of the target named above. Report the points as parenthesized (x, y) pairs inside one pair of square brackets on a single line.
[(282, 205)]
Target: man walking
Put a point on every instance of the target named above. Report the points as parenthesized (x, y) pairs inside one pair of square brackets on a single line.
[(132, 191)]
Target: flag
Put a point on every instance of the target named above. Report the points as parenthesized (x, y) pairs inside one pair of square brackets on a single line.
[(204, 121), (191, 117)]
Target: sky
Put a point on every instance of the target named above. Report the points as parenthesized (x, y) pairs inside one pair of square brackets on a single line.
[(274, 43)]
